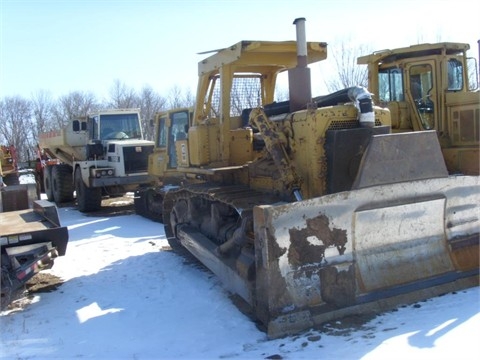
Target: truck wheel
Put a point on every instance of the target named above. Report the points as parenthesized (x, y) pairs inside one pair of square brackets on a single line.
[(47, 182), (87, 199), (62, 183)]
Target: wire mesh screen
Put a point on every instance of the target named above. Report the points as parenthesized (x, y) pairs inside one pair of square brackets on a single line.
[(246, 93)]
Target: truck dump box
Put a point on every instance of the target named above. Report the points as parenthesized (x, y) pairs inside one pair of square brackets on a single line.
[(30, 240)]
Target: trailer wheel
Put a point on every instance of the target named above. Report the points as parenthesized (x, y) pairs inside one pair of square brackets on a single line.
[(62, 183), (88, 199), (47, 182), (11, 179)]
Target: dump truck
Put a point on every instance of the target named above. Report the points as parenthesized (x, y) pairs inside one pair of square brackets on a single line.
[(310, 209), (9, 164), (31, 237), (101, 154), (427, 87)]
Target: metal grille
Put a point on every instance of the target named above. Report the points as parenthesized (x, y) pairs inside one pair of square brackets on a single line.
[(339, 125), (348, 124), (136, 158)]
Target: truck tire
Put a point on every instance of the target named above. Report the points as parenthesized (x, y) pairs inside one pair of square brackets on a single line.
[(62, 183), (88, 199), (47, 182)]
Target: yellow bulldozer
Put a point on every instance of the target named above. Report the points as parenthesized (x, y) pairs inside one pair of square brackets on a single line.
[(309, 209), (427, 87)]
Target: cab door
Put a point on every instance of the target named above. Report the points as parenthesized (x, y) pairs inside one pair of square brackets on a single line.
[(422, 95), (158, 160)]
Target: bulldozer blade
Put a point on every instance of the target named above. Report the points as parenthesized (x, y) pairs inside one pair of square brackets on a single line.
[(365, 250), (391, 158)]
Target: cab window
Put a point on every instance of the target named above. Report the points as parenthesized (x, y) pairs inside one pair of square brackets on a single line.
[(455, 75), (178, 131), (162, 134), (390, 85)]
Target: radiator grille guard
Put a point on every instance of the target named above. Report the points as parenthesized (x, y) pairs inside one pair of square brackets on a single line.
[(136, 158)]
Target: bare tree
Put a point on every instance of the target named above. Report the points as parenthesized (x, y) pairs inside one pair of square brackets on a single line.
[(150, 103), (281, 94), (348, 73), (178, 98), (43, 107), (16, 120), (122, 96), (75, 104)]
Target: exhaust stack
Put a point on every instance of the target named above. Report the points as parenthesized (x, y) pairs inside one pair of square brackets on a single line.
[(299, 80)]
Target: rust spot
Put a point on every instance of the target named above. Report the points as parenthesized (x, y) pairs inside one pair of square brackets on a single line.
[(338, 287), (272, 293), (308, 245)]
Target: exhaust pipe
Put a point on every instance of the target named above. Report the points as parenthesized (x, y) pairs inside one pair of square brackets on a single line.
[(362, 99), (301, 42), (299, 80)]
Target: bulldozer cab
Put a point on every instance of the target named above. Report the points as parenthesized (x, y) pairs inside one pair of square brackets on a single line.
[(171, 133), (241, 76), (427, 87)]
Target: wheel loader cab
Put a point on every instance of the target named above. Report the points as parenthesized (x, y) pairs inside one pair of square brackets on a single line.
[(426, 87)]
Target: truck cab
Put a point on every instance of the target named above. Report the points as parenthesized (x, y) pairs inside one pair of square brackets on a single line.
[(111, 126)]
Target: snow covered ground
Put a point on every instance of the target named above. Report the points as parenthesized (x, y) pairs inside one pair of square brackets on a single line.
[(126, 295)]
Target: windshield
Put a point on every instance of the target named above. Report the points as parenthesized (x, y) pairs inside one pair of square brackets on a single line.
[(120, 126)]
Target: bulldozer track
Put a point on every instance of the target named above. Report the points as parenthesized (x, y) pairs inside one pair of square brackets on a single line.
[(241, 198)]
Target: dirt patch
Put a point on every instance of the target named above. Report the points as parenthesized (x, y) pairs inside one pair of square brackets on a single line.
[(42, 283), (111, 206), (345, 326), (116, 206)]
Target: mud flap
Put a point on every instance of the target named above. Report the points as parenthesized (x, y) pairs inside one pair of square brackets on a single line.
[(364, 250)]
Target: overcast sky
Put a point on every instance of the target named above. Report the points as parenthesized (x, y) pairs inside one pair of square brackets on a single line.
[(68, 45)]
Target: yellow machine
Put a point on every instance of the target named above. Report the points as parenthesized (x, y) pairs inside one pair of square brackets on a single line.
[(171, 128), (8, 163), (426, 87), (308, 209)]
